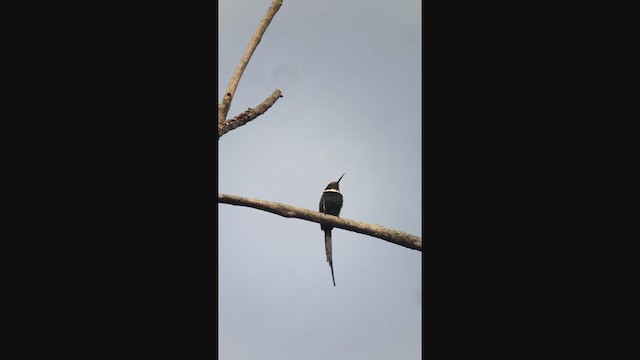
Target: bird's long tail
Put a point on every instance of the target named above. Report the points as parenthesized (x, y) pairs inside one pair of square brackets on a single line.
[(327, 248)]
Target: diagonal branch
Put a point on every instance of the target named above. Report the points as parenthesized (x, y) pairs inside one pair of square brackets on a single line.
[(223, 107), (249, 114), (394, 236)]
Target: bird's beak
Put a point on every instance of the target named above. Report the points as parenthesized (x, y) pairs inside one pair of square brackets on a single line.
[(340, 178)]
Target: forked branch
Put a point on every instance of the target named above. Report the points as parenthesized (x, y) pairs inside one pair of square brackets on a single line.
[(248, 114), (225, 104), (394, 236)]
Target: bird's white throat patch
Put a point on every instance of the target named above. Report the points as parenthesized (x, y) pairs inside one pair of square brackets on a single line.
[(332, 190)]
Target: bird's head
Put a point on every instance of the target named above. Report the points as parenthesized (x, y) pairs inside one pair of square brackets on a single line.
[(335, 184)]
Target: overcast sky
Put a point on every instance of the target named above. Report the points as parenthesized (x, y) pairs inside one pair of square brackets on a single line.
[(350, 74)]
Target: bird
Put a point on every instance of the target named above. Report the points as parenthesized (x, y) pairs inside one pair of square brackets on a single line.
[(331, 204)]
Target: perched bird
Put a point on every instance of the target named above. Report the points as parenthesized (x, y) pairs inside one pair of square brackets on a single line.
[(330, 203)]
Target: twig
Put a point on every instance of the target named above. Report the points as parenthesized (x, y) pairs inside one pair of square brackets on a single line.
[(394, 236), (223, 107), (248, 114)]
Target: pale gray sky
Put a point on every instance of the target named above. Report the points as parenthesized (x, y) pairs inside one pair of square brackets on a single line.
[(350, 74)]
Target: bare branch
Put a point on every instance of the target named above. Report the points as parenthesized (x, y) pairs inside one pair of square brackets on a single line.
[(394, 236), (249, 114), (223, 107)]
